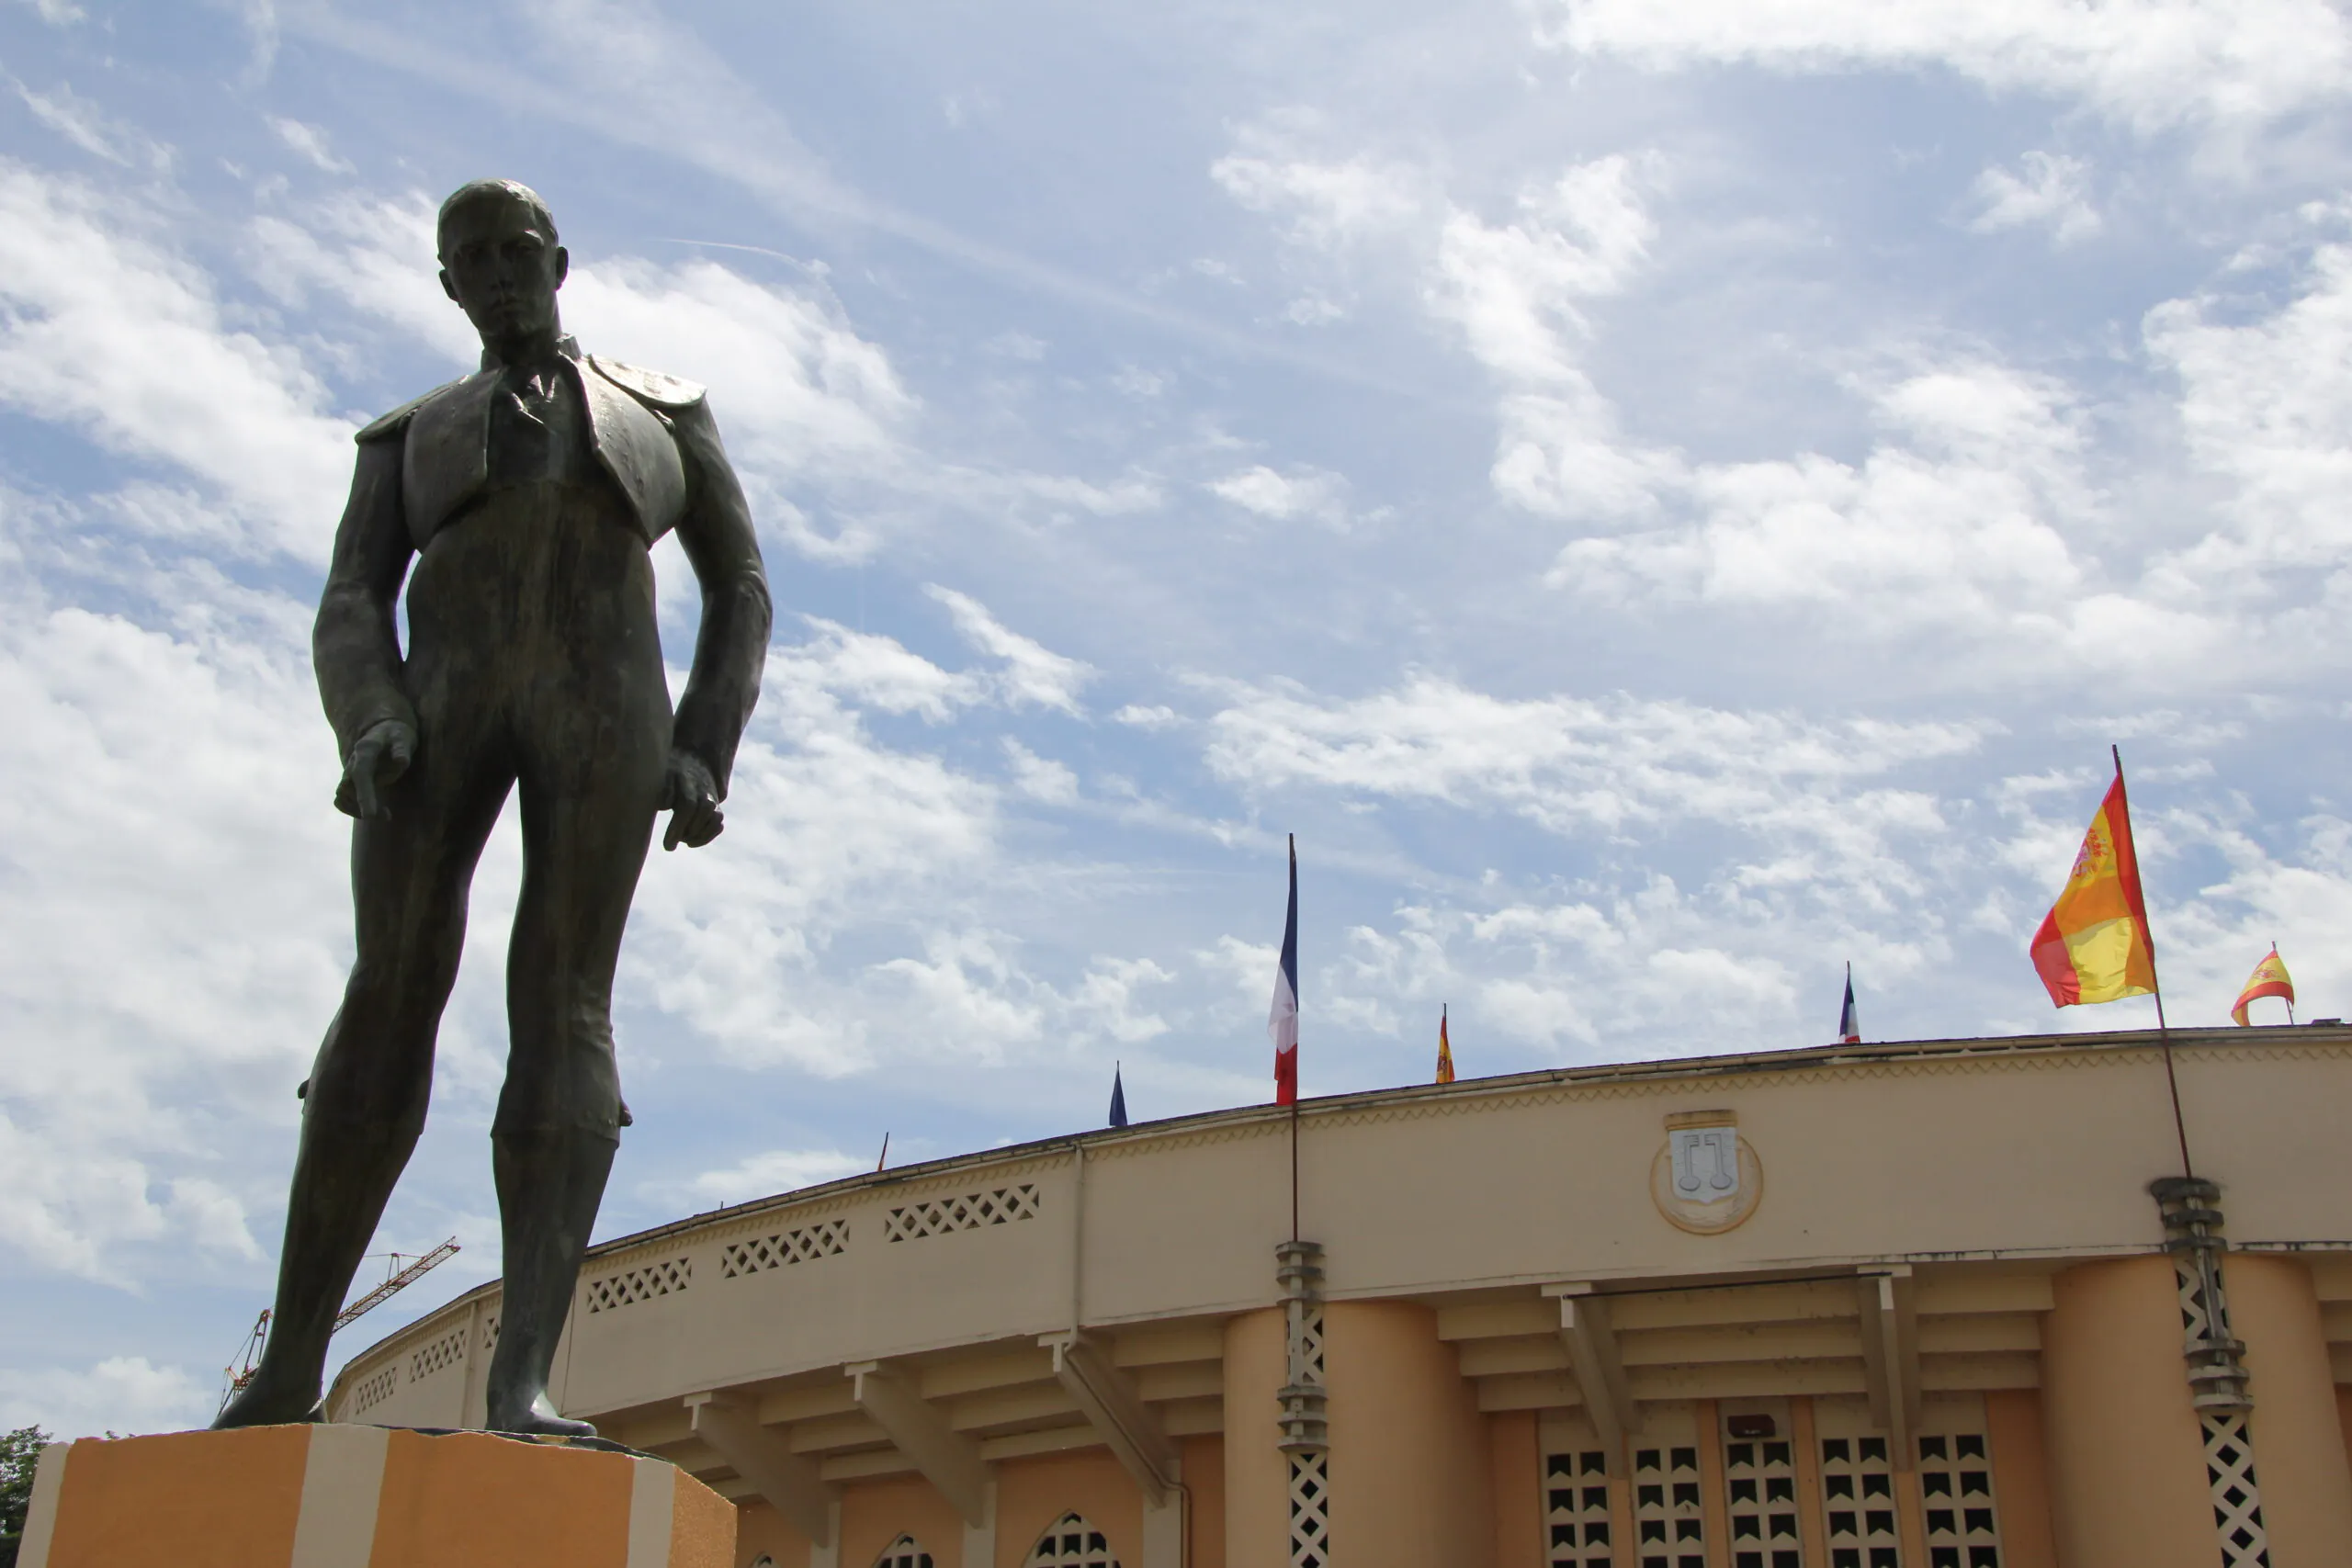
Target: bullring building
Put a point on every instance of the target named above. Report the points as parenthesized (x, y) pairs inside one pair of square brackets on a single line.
[(1937, 1304)]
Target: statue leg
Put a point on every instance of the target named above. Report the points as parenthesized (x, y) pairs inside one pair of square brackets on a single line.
[(365, 1102), (587, 813)]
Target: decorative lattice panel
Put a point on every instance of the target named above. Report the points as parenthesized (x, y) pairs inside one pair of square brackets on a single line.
[(1670, 1530), (377, 1389), (1072, 1542), (1956, 1483), (663, 1279), (758, 1254), (445, 1351), (1310, 1509), (1575, 1509), (1310, 1346), (2237, 1501), (1858, 1495), (966, 1212), (1761, 1487), (904, 1552), (489, 1332)]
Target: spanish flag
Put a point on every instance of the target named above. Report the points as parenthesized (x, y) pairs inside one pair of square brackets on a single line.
[(2094, 944), (2270, 979), (1445, 1051)]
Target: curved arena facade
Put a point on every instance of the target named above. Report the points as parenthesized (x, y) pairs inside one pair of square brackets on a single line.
[(1913, 1305)]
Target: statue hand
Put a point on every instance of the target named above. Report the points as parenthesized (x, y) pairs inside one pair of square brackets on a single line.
[(378, 759), (691, 796)]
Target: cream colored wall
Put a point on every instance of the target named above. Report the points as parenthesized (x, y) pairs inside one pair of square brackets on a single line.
[(2040, 1151), (1409, 1454), (2298, 1445), (2127, 1464)]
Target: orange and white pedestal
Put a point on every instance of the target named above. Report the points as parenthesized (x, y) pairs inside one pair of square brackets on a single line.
[(328, 1497)]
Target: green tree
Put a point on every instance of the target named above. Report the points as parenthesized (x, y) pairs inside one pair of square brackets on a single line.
[(19, 1452)]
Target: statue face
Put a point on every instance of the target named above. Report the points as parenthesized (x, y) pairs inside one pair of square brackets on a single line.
[(498, 265)]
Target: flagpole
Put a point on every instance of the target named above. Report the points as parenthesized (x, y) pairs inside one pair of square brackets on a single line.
[(2156, 979), (1294, 1088)]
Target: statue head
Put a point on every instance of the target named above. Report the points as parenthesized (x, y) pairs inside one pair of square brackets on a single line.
[(501, 263)]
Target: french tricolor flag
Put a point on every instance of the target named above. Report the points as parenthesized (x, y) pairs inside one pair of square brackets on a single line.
[(1282, 1021), (1850, 1026)]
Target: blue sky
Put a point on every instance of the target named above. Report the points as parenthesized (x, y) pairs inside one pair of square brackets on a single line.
[(1663, 497)]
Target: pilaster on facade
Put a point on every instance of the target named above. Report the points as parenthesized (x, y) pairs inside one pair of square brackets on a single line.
[(2219, 1387), (1298, 1269), (2191, 1208)]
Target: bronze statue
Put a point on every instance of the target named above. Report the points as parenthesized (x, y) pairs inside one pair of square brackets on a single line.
[(527, 496)]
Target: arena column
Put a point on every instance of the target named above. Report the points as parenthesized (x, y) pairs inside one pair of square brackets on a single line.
[(1409, 1450), (1257, 1477), (2298, 1443), (2127, 1461)]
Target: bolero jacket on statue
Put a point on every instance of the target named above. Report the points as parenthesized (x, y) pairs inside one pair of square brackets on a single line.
[(420, 465)]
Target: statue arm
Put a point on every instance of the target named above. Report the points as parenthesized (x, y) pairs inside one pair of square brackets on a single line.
[(353, 645), (732, 648)]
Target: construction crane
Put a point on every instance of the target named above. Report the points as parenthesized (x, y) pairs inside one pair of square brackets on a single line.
[(400, 1270)]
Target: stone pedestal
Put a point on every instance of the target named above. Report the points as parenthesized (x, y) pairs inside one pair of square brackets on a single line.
[(331, 1496)]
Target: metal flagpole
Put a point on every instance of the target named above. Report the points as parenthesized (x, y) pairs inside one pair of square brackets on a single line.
[(1293, 1084), (2155, 977)]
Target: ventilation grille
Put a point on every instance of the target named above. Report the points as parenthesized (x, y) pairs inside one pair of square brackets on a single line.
[(1760, 1484), (1671, 1530), (757, 1254), (376, 1390), (969, 1211), (1956, 1484), (445, 1351), (663, 1279), (1072, 1542), (1858, 1495), (1576, 1510), (903, 1552)]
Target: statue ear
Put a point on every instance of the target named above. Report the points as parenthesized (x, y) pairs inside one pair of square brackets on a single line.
[(449, 289), (562, 265)]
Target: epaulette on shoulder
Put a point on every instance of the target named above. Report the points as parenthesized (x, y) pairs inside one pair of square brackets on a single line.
[(648, 386), (397, 420)]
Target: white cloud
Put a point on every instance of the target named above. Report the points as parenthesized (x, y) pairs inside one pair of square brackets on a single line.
[(1329, 203), (57, 13), (309, 141), (1313, 494), (1034, 674), (1516, 290), (1146, 715), (1042, 778), (2146, 64), (765, 1175), (107, 333), (127, 1395), (1577, 767), (91, 128), (2049, 188)]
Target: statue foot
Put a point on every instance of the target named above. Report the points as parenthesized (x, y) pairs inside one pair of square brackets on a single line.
[(539, 1419), (259, 1404)]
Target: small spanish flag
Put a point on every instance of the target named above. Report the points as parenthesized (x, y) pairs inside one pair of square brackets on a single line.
[(2270, 979), (2094, 944), (1445, 1050)]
